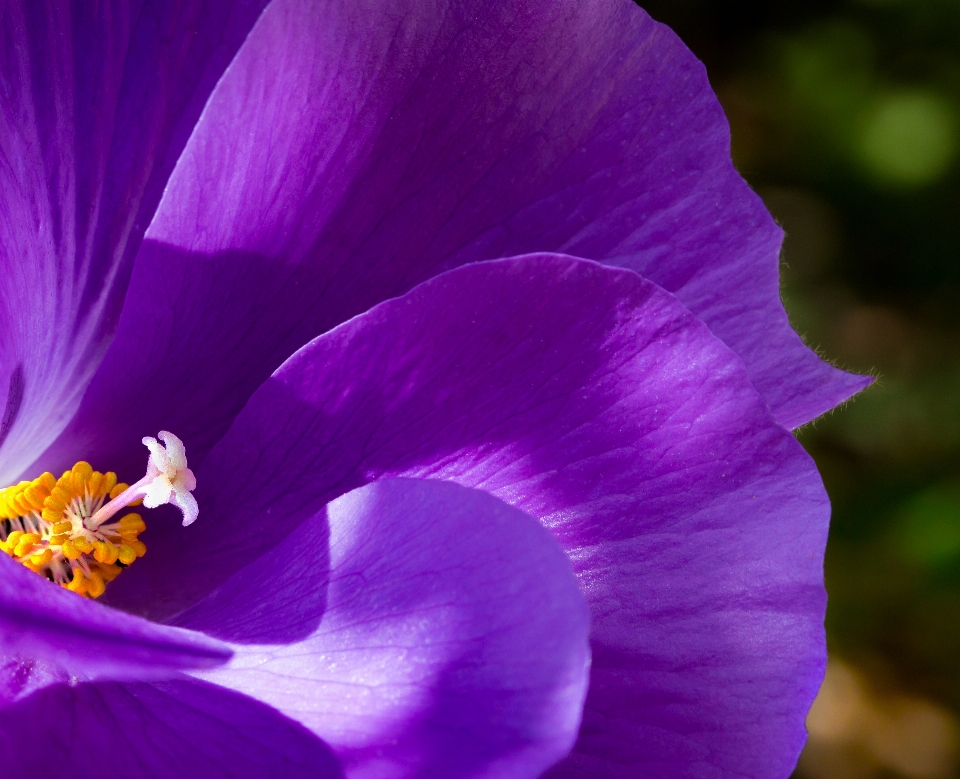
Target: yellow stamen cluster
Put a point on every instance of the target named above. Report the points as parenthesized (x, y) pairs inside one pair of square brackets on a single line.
[(45, 524)]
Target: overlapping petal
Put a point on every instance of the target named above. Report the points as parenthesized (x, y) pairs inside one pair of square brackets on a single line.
[(48, 634), (418, 627), (97, 103), (164, 730), (357, 148), (353, 150), (594, 401)]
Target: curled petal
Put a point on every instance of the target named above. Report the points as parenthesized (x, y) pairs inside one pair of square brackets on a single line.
[(594, 401), (357, 148), (50, 631), (418, 627)]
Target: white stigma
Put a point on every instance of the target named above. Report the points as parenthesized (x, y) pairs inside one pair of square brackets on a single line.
[(168, 480)]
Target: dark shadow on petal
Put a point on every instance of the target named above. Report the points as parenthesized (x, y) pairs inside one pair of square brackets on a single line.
[(411, 392), (179, 728), (13, 403), (294, 595), (444, 736)]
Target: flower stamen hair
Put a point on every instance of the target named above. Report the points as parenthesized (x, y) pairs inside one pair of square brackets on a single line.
[(62, 528)]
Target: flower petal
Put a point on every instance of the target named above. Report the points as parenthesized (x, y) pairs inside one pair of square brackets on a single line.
[(592, 400), (98, 100), (21, 677), (44, 628), (164, 730), (420, 628), (356, 148)]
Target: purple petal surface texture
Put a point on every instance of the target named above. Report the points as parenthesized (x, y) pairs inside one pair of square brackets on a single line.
[(355, 148), (162, 730), (46, 631), (97, 103), (595, 402), (420, 628)]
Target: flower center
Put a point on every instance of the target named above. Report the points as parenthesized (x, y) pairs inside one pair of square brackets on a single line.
[(64, 529)]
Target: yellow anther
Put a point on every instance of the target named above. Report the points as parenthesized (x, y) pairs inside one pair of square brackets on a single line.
[(132, 523), (110, 572), (35, 495), (60, 495), (127, 554), (42, 558), (26, 543), (63, 492), (105, 552), (51, 514), (83, 469), (95, 585), (63, 528), (77, 584), (77, 484)]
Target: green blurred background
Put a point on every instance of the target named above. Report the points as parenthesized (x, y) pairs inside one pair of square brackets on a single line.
[(846, 119)]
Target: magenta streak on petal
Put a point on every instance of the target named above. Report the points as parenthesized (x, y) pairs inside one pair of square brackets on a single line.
[(594, 401), (355, 148)]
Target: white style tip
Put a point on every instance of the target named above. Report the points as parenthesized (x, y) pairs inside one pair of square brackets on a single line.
[(168, 479)]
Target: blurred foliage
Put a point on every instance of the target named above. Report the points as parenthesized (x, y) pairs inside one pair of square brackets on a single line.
[(846, 119)]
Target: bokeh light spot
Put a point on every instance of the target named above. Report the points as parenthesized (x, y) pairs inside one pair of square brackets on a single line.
[(930, 525), (909, 139)]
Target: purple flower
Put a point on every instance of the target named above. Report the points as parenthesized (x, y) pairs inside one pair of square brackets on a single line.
[(473, 336)]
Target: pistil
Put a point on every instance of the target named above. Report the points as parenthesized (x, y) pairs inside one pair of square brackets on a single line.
[(168, 480), (62, 528)]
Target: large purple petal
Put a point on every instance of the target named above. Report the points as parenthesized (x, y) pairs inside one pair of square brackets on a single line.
[(47, 633), (179, 729), (356, 148), (594, 401), (418, 627), (97, 103)]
